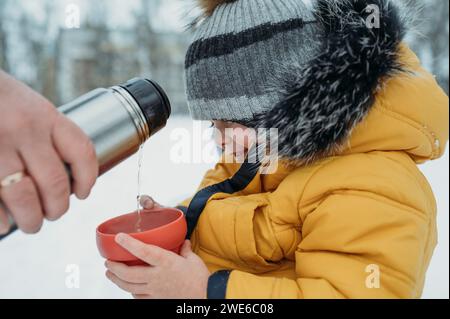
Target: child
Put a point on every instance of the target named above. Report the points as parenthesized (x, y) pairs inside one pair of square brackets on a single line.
[(347, 214)]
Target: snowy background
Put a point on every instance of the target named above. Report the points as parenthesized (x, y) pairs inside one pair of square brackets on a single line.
[(118, 40), (36, 266)]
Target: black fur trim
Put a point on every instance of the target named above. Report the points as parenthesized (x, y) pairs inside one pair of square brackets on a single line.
[(325, 99)]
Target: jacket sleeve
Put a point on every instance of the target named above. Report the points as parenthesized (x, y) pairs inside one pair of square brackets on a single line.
[(356, 244)]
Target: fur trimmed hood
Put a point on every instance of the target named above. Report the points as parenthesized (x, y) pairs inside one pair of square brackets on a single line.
[(335, 91), (325, 100)]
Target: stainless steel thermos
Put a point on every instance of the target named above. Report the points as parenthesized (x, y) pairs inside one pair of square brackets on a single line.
[(119, 119)]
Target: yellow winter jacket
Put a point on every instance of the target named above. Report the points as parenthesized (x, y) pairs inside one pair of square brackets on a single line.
[(358, 225)]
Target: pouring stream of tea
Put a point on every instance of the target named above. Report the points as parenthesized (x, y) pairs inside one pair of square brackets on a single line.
[(139, 194)]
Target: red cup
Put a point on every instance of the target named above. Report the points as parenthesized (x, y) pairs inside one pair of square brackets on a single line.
[(162, 227)]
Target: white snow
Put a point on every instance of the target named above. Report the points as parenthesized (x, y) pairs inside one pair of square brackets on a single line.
[(35, 266)]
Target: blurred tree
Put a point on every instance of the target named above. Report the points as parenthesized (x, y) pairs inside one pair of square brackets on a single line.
[(144, 35), (437, 33), (430, 23), (46, 45), (104, 53), (35, 36), (4, 62)]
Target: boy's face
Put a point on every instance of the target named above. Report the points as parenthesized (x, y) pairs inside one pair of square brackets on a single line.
[(233, 138)]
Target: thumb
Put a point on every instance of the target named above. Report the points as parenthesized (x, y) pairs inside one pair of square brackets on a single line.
[(147, 202), (186, 250)]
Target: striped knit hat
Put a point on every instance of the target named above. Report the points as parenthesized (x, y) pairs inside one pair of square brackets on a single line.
[(237, 51), (312, 72)]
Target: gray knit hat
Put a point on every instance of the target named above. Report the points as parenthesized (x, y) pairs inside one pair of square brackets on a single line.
[(312, 73), (237, 51)]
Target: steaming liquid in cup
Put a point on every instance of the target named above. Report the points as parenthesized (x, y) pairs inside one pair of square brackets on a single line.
[(139, 194)]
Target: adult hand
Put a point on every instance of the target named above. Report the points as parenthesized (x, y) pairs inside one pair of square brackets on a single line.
[(35, 143)]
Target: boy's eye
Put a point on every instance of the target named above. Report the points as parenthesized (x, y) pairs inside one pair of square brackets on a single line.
[(211, 125)]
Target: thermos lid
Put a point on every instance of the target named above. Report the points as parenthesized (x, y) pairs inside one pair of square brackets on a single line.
[(152, 100)]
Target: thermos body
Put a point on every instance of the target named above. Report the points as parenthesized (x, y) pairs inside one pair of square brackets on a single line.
[(118, 120), (113, 122)]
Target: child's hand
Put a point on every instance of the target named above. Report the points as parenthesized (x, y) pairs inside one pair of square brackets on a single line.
[(148, 202), (169, 276)]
